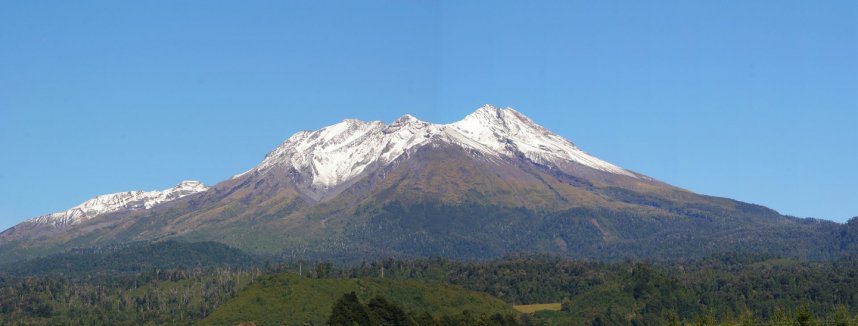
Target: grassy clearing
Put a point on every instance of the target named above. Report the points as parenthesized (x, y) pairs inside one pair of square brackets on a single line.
[(531, 308)]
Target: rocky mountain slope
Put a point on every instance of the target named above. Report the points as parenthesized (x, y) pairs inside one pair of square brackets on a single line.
[(491, 184)]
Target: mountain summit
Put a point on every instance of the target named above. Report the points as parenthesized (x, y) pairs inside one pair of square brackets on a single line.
[(490, 184), (340, 153)]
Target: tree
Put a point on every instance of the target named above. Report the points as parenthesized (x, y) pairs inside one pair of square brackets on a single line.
[(323, 269), (804, 317), (349, 311), (387, 313)]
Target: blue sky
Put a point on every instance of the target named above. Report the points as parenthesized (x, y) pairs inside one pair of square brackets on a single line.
[(756, 101)]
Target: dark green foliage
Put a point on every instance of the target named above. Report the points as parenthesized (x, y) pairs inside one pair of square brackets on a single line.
[(675, 230), (735, 289), (721, 287), (163, 297), (849, 237), (323, 269), (163, 282), (132, 258), (348, 311), (387, 313), (515, 279)]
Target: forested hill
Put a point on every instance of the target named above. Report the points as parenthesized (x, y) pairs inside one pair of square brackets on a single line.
[(291, 299)]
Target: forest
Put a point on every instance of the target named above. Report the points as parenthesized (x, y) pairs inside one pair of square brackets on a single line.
[(194, 285)]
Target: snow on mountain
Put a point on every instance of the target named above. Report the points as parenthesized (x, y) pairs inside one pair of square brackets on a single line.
[(338, 153), (129, 200), (509, 132)]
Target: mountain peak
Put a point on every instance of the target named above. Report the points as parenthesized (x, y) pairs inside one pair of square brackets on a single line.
[(182, 189), (339, 153), (487, 108), (487, 112), (510, 133), (190, 185), (489, 115), (406, 119)]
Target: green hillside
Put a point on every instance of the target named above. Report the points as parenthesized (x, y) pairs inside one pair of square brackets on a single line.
[(295, 300)]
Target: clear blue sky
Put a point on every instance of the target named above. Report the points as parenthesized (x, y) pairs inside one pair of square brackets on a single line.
[(752, 100)]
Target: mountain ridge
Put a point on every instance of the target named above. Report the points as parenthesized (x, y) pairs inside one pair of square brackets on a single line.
[(110, 203)]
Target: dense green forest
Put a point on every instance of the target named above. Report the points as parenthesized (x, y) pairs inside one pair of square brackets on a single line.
[(158, 297), (723, 287), (184, 283), (132, 258)]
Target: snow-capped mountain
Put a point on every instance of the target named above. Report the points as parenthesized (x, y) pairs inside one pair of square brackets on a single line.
[(490, 184), (129, 200), (339, 153)]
